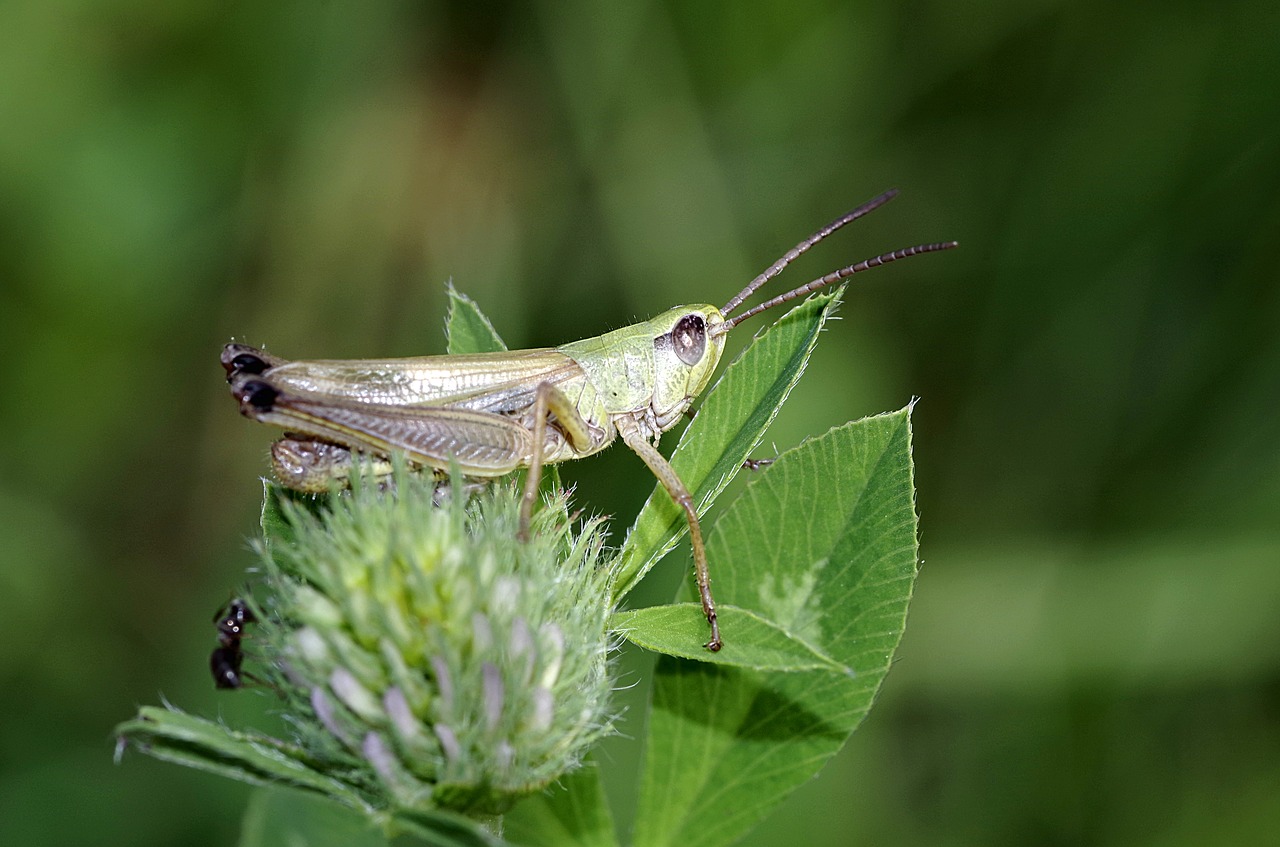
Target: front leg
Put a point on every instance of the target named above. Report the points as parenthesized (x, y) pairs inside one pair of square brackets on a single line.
[(549, 400), (670, 480)]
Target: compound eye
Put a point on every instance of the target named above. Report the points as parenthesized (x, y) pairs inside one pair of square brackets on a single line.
[(689, 339)]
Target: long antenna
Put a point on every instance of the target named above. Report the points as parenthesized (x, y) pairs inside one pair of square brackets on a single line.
[(795, 252), (836, 276)]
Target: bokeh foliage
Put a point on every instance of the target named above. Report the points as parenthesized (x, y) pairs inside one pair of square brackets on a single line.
[(1093, 653)]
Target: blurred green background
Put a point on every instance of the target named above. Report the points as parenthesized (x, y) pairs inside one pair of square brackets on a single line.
[(1093, 656)]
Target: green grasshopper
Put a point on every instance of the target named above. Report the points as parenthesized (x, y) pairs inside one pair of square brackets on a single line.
[(489, 414)]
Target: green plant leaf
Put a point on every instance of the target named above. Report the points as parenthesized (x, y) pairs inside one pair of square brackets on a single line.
[(174, 736), (274, 519), (824, 544), (442, 829), (575, 811), (730, 424), (278, 817), (275, 526), (757, 643), (466, 328)]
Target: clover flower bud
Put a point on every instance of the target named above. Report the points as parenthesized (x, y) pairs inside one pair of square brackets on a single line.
[(428, 657)]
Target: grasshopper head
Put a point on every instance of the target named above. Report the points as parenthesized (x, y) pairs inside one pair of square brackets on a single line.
[(687, 344)]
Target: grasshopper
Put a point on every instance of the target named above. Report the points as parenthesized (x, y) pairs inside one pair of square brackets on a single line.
[(489, 414)]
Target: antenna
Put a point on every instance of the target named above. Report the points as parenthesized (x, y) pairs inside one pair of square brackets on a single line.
[(835, 277), (795, 252)]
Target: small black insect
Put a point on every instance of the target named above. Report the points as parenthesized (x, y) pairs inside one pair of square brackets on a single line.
[(227, 657)]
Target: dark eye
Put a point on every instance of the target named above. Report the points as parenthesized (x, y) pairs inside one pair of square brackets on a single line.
[(689, 339), (247, 363), (259, 394)]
